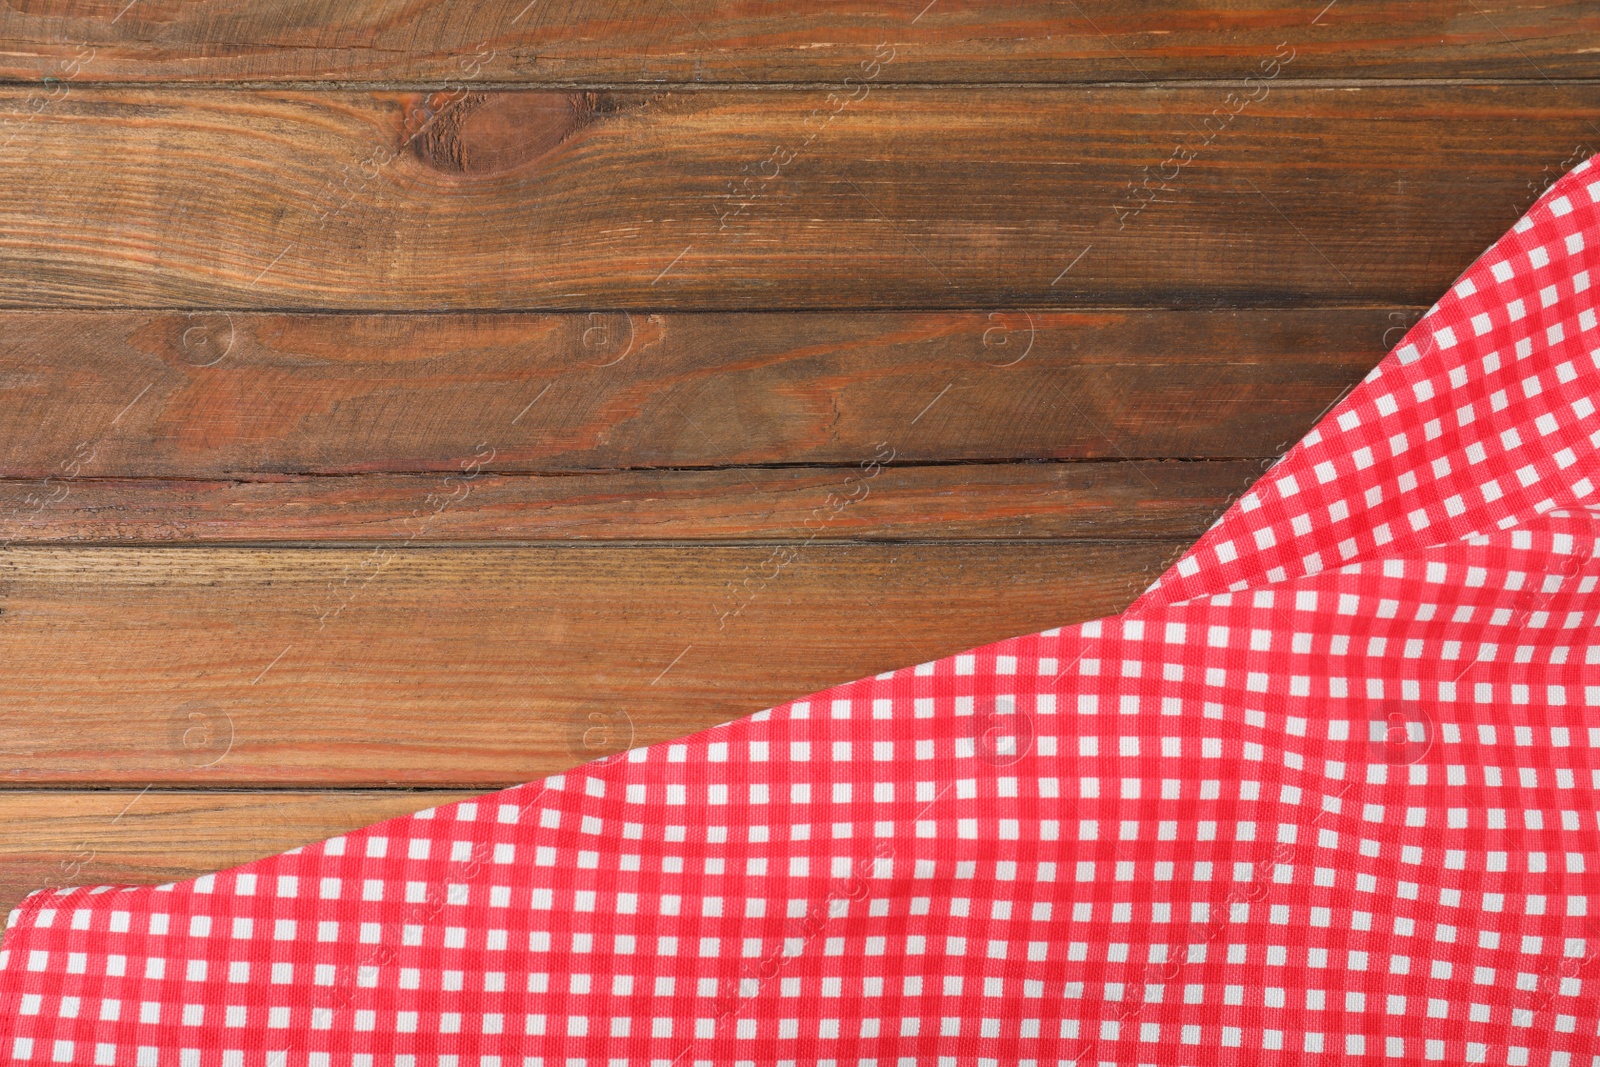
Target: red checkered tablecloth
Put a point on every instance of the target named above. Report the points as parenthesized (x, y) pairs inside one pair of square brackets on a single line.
[(1329, 789)]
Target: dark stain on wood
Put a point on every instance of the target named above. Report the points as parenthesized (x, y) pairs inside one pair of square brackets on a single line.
[(488, 133)]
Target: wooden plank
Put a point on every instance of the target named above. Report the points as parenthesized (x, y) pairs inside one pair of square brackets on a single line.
[(718, 40), (478, 667), (226, 395), (53, 839), (908, 197), (1124, 500)]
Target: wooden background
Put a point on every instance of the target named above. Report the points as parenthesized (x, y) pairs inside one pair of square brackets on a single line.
[(400, 401)]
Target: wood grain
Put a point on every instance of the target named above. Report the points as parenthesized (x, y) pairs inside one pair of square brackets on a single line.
[(440, 395), (478, 666), (1150, 500), (908, 198), (719, 40), (227, 395), (53, 839)]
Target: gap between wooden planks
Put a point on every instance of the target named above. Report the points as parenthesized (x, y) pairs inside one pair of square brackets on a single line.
[(1122, 501)]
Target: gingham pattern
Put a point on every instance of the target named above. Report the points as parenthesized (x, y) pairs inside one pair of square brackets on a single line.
[(1328, 790)]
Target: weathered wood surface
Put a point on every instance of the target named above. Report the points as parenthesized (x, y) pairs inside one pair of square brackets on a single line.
[(908, 198), (478, 666), (222, 395), (439, 537), (970, 41), (54, 838), (1139, 500)]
